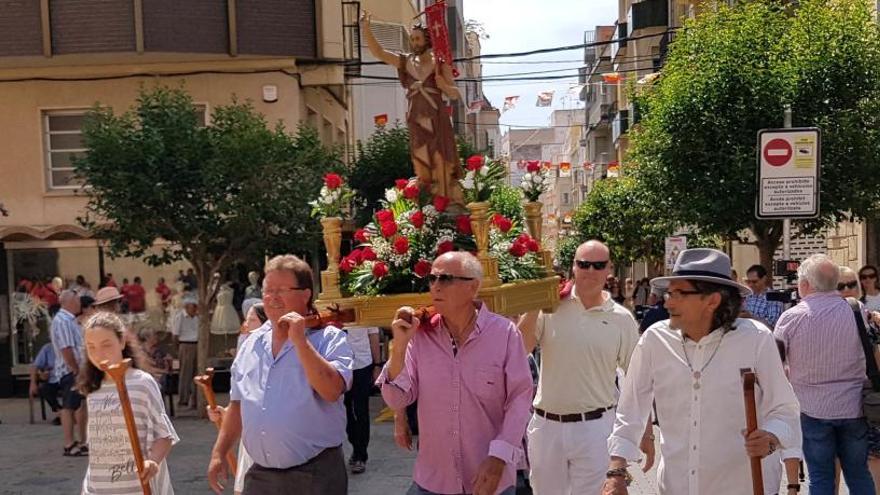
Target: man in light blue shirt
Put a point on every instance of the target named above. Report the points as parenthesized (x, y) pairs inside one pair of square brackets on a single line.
[(286, 398)]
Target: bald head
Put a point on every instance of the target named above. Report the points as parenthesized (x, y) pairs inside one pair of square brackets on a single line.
[(69, 300), (593, 250), (819, 272)]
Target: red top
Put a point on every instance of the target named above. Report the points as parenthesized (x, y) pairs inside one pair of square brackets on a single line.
[(136, 296)]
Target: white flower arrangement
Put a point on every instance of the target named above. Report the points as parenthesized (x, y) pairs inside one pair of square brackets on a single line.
[(534, 183)]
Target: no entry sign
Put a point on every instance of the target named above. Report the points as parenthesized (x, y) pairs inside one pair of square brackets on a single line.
[(788, 173)]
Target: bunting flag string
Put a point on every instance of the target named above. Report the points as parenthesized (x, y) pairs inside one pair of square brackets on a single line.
[(509, 103)]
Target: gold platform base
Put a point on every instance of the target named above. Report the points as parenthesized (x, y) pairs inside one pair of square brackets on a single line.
[(507, 299)]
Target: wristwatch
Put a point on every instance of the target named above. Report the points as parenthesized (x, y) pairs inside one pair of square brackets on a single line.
[(794, 486), (620, 472)]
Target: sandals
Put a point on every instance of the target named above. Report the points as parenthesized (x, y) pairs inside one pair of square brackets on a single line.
[(76, 450)]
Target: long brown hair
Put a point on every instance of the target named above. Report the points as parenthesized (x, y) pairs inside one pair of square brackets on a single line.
[(90, 377)]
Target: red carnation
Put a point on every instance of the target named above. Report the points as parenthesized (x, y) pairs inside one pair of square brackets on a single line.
[(533, 166), (417, 219), (401, 245), (440, 203), (463, 222), (367, 254), (360, 235), (332, 181), (445, 247), (503, 223), (384, 216), (400, 183), (523, 238), (346, 265), (356, 256), (380, 270), (411, 192), (533, 246), (422, 268), (475, 162), (388, 228), (518, 249)]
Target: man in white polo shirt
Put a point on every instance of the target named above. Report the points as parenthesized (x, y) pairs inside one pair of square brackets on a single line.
[(582, 346), (185, 329)]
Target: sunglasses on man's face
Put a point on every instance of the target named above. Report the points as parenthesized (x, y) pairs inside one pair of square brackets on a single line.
[(445, 278), (866, 276), (847, 285), (597, 265)]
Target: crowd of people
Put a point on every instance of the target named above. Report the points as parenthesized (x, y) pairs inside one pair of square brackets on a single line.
[(489, 418)]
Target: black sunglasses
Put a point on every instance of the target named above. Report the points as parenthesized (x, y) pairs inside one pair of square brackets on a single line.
[(847, 285), (597, 265), (865, 276), (445, 278)]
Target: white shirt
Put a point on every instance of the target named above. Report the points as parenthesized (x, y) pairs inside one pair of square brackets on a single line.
[(702, 450), (872, 302), (111, 460), (359, 341), (581, 350), (186, 327)]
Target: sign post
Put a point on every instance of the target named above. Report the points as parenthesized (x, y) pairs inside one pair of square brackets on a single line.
[(789, 165)]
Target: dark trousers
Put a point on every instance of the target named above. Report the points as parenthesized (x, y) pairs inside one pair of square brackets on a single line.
[(843, 439), (324, 474), (357, 410)]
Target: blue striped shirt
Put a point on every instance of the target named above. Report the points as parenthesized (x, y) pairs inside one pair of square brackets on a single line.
[(66, 333), (764, 310)]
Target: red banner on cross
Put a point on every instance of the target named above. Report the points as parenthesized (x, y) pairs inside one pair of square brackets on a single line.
[(436, 15)]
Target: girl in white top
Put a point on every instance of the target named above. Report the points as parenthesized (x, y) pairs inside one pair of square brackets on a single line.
[(255, 316), (111, 461)]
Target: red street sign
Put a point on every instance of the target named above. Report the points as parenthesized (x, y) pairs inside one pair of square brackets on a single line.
[(777, 152)]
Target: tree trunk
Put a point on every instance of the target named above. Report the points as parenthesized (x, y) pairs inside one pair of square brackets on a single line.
[(203, 275), (767, 235)]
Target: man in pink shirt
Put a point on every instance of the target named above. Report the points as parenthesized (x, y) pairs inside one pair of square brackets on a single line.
[(468, 369)]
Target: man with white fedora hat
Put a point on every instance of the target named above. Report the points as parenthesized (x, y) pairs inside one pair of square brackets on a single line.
[(691, 366)]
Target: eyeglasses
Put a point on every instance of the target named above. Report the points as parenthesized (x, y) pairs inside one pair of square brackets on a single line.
[(281, 291), (866, 276), (847, 285), (679, 294), (597, 265), (446, 278)]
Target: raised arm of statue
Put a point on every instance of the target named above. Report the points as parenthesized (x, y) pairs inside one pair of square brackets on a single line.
[(373, 45)]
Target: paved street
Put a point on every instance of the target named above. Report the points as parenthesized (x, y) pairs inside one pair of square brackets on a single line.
[(31, 462)]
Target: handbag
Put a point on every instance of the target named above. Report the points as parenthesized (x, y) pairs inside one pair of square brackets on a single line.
[(871, 392)]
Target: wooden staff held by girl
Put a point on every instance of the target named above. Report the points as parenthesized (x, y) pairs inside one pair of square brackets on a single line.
[(112, 463)]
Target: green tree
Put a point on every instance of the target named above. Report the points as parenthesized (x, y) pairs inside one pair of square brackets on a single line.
[(381, 159), (622, 213), (229, 192), (730, 72)]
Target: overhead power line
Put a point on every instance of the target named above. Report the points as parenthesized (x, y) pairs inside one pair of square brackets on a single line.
[(579, 46)]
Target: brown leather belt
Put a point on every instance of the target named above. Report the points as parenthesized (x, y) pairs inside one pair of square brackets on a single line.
[(573, 418)]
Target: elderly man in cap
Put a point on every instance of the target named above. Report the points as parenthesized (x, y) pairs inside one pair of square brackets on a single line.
[(185, 331), (691, 366), (468, 369)]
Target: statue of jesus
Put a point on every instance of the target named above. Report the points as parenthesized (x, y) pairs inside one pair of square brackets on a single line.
[(426, 81)]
